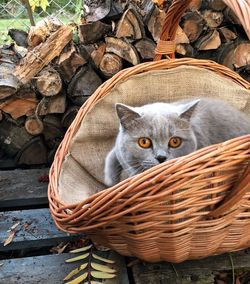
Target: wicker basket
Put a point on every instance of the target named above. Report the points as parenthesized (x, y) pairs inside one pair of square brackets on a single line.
[(187, 208)]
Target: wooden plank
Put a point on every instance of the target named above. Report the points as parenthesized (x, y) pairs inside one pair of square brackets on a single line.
[(23, 188), (51, 269), (36, 229), (199, 271)]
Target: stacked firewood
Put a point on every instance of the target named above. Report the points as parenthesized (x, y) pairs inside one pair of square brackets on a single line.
[(50, 72)]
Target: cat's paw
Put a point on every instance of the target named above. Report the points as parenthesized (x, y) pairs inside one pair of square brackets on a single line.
[(109, 181)]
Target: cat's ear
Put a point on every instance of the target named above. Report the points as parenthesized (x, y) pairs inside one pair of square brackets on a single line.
[(188, 109), (126, 115)]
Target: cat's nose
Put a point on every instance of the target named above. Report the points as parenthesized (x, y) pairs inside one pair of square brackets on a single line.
[(161, 158)]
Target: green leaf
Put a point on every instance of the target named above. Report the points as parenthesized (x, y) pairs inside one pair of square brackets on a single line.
[(102, 259), (75, 271), (81, 249), (79, 279), (102, 275), (80, 257), (102, 268)]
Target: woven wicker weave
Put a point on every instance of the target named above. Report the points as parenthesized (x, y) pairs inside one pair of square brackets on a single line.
[(188, 208)]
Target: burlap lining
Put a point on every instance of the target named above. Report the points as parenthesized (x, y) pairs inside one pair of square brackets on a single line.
[(82, 170)]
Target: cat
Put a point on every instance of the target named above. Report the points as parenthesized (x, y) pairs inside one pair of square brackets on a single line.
[(158, 132)]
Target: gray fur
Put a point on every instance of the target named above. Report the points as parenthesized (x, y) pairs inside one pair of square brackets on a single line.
[(199, 122)]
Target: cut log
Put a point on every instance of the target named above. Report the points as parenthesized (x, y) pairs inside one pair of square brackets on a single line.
[(34, 125), (213, 18), (95, 10), (235, 55), (41, 55), (8, 81), (21, 104), (19, 36), (48, 82), (130, 25), (110, 64), (83, 84), (12, 137), (115, 12), (55, 104), (32, 153), (181, 36), (122, 48), (146, 8), (195, 5), (146, 49), (217, 5), (209, 41), (155, 23), (92, 32), (244, 72), (53, 131), (231, 17), (185, 49), (69, 116), (42, 30), (192, 24), (69, 61), (226, 34), (98, 53)]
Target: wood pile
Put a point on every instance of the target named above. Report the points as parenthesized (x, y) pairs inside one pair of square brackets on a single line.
[(50, 72)]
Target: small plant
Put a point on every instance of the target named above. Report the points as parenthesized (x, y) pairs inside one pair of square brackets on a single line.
[(94, 268), (39, 3)]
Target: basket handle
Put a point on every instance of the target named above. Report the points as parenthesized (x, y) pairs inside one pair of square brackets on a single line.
[(166, 44), (242, 11), (235, 195)]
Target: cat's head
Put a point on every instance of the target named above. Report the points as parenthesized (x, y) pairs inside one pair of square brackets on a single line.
[(153, 134)]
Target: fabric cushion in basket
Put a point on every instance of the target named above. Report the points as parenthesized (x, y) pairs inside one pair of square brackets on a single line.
[(81, 173)]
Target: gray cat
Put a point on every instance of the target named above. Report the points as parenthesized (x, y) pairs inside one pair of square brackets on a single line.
[(155, 133)]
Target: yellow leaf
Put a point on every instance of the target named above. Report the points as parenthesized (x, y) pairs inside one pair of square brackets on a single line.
[(81, 249), (14, 226), (34, 4), (44, 4), (102, 275), (10, 238), (79, 279), (102, 268), (75, 271), (93, 282), (102, 259), (80, 257)]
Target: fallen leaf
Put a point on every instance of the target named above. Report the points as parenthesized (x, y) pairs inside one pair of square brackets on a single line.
[(80, 257), (102, 267), (81, 249), (10, 238), (75, 271), (79, 279), (14, 226), (237, 281), (60, 248), (102, 275), (102, 258)]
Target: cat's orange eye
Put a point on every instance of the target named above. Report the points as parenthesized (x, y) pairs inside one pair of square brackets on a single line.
[(144, 142), (175, 142)]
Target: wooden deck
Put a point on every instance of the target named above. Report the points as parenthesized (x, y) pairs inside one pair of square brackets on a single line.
[(27, 259)]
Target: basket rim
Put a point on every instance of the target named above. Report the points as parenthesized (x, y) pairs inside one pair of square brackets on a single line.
[(56, 205)]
